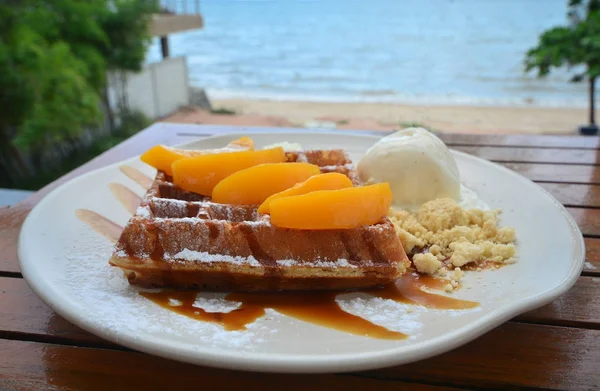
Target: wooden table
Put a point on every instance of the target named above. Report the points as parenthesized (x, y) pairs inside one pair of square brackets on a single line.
[(554, 347)]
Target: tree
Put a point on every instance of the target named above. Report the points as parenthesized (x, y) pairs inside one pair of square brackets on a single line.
[(576, 45), (54, 56)]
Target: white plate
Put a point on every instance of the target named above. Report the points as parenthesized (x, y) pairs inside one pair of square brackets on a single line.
[(65, 262)]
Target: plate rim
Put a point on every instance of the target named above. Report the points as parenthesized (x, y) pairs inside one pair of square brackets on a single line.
[(306, 363)]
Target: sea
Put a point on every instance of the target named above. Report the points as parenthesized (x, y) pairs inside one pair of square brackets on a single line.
[(408, 51)]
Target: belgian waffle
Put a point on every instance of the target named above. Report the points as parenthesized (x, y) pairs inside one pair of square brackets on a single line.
[(182, 239)]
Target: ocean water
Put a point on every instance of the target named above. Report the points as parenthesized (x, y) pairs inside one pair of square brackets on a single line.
[(420, 51)]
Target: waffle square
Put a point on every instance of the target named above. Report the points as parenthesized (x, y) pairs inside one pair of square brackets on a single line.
[(184, 240)]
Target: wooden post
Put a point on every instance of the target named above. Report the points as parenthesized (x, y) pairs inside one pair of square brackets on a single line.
[(592, 100), (164, 46)]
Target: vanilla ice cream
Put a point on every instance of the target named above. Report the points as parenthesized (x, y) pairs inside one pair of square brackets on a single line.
[(417, 165)]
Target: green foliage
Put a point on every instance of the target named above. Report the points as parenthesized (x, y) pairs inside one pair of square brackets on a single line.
[(570, 46), (54, 55), (126, 28), (131, 123)]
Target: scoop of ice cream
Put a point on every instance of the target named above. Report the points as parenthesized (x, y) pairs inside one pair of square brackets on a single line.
[(417, 165)]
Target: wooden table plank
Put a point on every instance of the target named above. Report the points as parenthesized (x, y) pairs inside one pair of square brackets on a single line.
[(547, 357), (23, 315), (571, 173), (30, 365), (521, 140), (579, 307), (574, 195), (588, 220), (592, 257), (542, 357), (534, 155)]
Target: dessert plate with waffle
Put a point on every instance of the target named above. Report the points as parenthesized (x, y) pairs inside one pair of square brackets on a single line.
[(299, 252)]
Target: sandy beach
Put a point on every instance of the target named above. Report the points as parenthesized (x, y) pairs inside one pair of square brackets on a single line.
[(388, 116)]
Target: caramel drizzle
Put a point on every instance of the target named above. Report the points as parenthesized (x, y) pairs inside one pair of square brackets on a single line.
[(126, 197), (318, 308), (137, 176), (100, 224)]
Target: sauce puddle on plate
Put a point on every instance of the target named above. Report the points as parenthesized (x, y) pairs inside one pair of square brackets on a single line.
[(319, 308)]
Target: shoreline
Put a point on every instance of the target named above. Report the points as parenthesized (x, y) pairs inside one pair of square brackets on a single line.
[(403, 101), (387, 116), (445, 118)]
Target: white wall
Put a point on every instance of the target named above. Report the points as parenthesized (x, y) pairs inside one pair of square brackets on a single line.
[(158, 90)]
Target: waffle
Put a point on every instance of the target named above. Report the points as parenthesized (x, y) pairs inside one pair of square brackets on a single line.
[(182, 239)]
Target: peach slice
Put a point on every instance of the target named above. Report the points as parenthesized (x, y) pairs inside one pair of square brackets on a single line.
[(255, 184), (329, 181), (242, 144), (201, 174), (162, 157), (333, 209)]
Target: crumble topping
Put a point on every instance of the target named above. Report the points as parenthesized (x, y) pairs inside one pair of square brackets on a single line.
[(453, 237)]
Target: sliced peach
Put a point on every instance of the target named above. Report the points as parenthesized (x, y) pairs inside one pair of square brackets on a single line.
[(201, 174), (333, 209), (329, 181), (162, 157), (255, 184), (242, 143)]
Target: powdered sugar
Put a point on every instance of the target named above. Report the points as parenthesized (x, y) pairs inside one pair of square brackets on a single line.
[(317, 263), (143, 211), (197, 256), (347, 166), (215, 302)]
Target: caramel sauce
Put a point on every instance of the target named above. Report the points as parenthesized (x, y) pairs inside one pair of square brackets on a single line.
[(102, 225), (126, 197), (483, 265), (314, 307), (136, 175)]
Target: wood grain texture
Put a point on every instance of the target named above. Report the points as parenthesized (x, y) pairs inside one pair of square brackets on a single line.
[(545, 357), (39, 366), (574, 195), (537, 357), (592, 257), (576, 308), (520, 140), (534, 155), (588, 220), (570, 173), (24, 315), (11, 220)]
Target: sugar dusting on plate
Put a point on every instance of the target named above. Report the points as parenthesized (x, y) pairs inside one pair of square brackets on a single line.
[(105, 299)]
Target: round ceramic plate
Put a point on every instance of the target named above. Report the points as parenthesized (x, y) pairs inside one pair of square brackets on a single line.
[(65, 262)]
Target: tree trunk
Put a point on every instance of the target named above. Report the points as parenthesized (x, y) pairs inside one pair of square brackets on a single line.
[(592, 100)]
